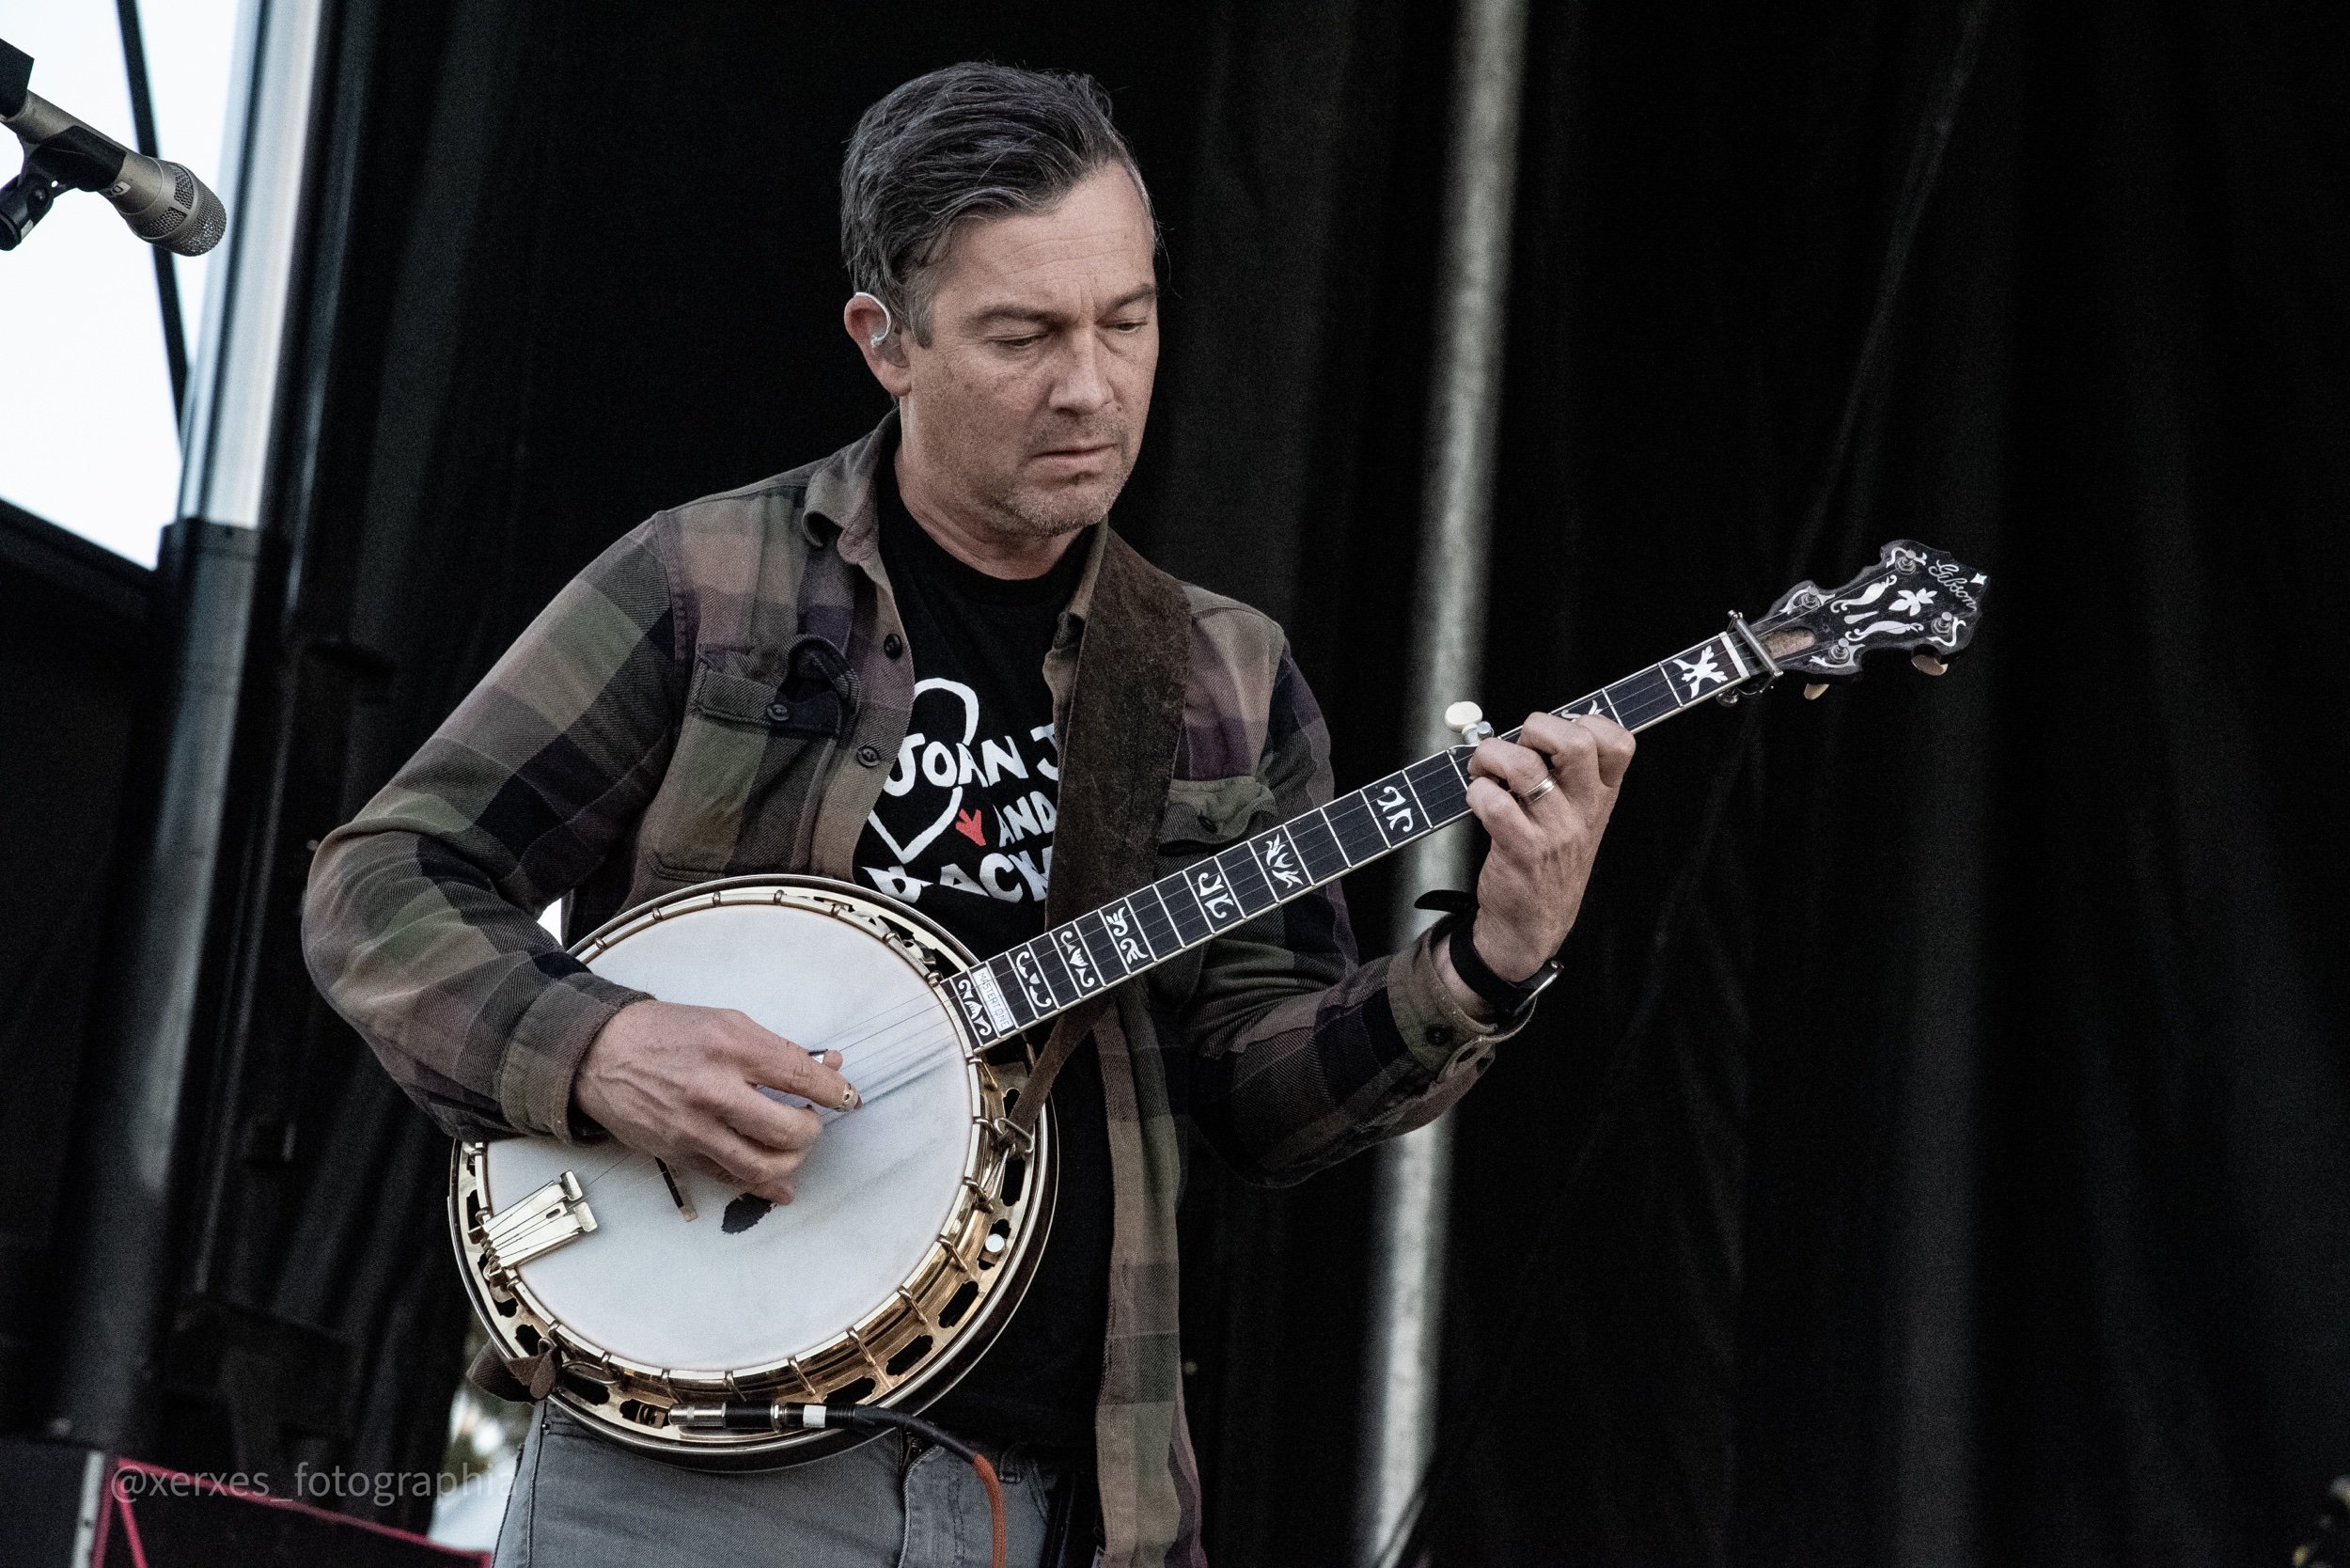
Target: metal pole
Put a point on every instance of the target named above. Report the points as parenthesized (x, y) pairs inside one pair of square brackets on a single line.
[(1412, 1183), (143, 127), (129, 1140), (231, 416)]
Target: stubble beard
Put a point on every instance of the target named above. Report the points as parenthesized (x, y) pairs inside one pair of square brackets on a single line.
[(1026, 515)]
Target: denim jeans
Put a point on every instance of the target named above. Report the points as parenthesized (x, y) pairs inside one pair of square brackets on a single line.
[(581, 1502)]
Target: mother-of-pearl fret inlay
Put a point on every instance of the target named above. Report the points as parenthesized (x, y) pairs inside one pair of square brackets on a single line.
[(1396, 808), (1596, 703), (1134, 948), (1278, 857), (1217, 900), (1030, 974), (1075, 957)]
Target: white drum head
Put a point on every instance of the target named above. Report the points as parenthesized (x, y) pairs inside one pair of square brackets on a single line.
[(768, 1282)]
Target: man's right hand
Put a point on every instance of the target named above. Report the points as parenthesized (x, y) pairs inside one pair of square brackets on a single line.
[(681, 1084)]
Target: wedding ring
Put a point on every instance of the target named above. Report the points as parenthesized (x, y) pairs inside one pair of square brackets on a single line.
[(1538, 791)]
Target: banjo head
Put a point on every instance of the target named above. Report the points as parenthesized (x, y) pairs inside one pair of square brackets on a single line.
[(916, 1220)]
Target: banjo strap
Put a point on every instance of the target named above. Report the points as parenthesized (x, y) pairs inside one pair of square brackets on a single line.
[(517, 1382), (1125, 719)]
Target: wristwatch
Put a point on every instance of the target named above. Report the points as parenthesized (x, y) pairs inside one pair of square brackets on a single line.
[(1509, 999)]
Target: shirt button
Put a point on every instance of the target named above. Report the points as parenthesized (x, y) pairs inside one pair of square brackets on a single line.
[(1440, 1034), (893, 644), (869, 756)]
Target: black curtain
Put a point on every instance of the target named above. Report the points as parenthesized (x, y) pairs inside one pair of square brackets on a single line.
[(75, 663), (1936, 1151), (1975, 1191)]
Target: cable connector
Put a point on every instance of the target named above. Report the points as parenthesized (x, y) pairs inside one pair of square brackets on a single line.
[(747, 1415)]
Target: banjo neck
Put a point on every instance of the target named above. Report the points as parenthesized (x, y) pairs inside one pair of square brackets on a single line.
[(1915, 598)]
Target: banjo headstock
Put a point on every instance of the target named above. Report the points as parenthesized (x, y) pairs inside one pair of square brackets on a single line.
[(1916, 600)]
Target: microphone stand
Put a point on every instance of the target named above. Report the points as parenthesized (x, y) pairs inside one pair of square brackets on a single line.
[(72, 160), (76, 159)]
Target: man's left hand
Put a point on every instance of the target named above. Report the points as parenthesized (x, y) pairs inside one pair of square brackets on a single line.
[(1543, 839)]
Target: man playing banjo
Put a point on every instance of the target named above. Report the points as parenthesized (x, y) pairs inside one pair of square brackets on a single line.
[(868, 669)]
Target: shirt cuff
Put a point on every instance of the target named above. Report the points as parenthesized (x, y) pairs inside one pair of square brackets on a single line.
[(1443, 1037), (544, 1053)]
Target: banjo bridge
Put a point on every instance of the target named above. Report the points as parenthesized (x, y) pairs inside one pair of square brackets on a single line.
[(550, 1217)]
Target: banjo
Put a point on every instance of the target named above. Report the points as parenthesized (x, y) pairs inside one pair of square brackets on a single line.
[(704, 1325)]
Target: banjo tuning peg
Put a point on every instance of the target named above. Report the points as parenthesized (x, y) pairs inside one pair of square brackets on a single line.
[(1470, 719)]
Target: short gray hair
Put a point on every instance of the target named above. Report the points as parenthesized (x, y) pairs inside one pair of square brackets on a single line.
[(974, 140)]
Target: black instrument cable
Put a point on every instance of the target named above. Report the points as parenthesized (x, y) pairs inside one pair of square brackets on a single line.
[(791, 1415)]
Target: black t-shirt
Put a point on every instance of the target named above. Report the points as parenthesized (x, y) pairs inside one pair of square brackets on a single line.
[(964, 831)]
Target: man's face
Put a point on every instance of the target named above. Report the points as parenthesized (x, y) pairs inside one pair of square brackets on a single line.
[(1025, 410)]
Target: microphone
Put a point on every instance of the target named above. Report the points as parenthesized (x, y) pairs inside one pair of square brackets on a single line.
[(163, 202)]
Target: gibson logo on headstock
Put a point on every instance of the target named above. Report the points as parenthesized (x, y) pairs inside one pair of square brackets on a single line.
[(1953, 577), (1812, 632)]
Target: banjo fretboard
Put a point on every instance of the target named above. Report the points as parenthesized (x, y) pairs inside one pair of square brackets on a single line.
[(1049, 974)]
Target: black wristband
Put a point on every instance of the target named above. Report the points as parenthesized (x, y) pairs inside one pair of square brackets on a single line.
[(1512, 1000)]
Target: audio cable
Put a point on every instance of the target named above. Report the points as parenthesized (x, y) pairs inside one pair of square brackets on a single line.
[(793, 1415)]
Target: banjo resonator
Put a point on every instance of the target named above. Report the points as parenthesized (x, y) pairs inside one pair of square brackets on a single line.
[(917, 1223)]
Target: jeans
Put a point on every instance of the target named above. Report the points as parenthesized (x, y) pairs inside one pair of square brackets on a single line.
[(581, 1502)]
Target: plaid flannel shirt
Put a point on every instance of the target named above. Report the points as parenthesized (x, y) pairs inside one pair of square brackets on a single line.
[(634, 741)]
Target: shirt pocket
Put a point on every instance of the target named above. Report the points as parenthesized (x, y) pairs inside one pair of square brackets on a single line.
[(1203, 816), (742, 785)]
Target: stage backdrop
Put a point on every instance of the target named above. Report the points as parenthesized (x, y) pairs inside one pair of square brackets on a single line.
[(1937, 1151)]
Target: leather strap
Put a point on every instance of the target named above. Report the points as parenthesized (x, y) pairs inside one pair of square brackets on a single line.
[(517, 1382), (1068, 1030), (1125, 719)]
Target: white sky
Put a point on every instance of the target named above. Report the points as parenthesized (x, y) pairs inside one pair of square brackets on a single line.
[(88, 438)]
